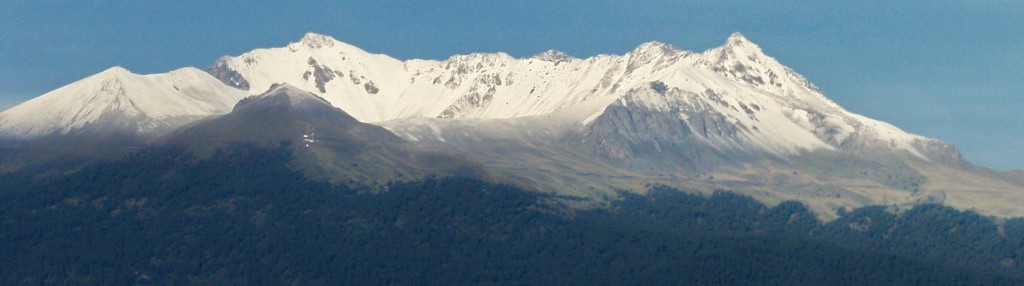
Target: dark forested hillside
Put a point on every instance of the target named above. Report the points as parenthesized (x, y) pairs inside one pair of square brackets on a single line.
[(243, 216)]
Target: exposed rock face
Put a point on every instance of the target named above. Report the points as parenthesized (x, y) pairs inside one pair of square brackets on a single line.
[(554, 56), (228, 76)]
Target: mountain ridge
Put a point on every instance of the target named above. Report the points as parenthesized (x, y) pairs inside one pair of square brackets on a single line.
[(125, 102), (730, 117), (497, 85)]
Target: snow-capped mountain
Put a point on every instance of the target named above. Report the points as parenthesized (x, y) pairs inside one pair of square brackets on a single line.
[(734, 96), (117, 101), (730, 117), (747, 99)]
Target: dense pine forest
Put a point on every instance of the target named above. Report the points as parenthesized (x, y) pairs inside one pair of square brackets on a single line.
[(162, 216)]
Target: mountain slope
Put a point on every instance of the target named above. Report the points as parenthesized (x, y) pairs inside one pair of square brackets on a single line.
[(327, 143), (117, 101), (282, 113), (245, 217)]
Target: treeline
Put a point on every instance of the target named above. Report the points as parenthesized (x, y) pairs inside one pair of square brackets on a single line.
[(243, 216)]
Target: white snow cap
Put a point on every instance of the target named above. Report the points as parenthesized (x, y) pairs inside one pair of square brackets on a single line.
[(295, 94), (154, 102)]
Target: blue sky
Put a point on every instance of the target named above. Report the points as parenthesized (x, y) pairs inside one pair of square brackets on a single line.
[(952, 70)]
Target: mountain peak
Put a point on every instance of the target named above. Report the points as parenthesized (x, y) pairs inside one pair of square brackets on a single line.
[(554, 56), (117, 69), (744, 61), (736, 50), (118, 101), (737, 39), (316, 41), (294, 93), (739, 44), (283, 87), (655, 47), (285, 95), (113, 72)]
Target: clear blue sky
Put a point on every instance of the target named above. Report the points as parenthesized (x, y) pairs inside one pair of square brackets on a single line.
[(952, 70)]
